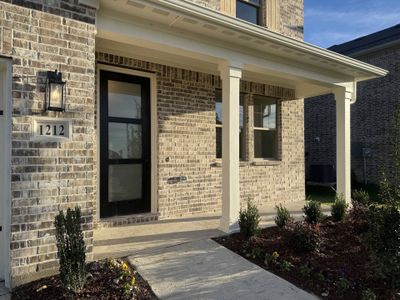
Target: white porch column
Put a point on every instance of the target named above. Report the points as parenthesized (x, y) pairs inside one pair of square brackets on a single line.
[(343, 163), (230, 147)]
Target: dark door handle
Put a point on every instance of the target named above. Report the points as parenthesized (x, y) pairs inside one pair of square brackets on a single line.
[(1, 112)]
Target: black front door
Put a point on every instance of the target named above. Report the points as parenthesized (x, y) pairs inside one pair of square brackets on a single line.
[(124, 144)]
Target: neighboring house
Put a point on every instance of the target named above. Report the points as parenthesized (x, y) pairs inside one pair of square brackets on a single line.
[(372, 116), (156, 93)]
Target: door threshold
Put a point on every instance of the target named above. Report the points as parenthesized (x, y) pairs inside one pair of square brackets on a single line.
[(127, 220)]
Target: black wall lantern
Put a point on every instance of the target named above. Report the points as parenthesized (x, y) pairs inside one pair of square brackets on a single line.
[(55, 91)]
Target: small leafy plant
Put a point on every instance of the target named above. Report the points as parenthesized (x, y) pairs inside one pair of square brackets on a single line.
[(305, 270), (343, 284), (282, 216), (125, 276), (271, 258), (286, 266), (249, 220), (368, 295), (256, 252), (313, 212), (71, 249), (338, 209), (303, 237), (361, 197)]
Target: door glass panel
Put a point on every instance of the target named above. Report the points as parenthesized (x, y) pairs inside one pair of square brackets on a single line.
[(124, 141), (124, 100), (124, 182)]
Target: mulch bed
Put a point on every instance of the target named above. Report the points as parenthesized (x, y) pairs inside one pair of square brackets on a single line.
[(342, 257), (101, 284)]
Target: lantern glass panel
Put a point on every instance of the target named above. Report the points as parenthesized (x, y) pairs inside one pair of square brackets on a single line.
[(56, 95)]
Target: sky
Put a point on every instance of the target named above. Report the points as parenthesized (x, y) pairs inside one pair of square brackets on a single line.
[(330, 22)]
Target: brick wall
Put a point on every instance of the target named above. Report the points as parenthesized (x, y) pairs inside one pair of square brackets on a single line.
[(214, 4), (291, 14), (292, 18), (186, 143), (47, 177), (371, 120)]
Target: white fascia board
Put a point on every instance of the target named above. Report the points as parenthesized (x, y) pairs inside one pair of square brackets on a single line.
[(120, 28), (212, 16)]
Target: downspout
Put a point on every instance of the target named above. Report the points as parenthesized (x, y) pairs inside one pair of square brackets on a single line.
[(354, 98)]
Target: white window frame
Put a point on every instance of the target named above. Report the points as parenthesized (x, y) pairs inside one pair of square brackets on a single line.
[(276, 129)]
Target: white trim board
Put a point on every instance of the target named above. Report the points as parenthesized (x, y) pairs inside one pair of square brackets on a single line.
[(153, 130), (5, 168)]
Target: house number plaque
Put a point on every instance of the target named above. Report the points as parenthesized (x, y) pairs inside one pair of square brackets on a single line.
[(51, 130)]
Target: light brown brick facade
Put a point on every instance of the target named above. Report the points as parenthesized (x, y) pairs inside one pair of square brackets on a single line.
[(186, 143), (48, 177)]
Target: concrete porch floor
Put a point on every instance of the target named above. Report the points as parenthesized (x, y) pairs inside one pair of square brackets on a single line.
[(145, 238)]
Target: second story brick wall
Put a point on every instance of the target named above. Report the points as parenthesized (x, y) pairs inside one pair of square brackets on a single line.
[(292, 18), (290, 14)]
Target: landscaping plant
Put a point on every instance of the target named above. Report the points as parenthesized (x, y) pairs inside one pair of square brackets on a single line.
[(384, 239), (360, 197), (303, 237), (282, 216), (368, 295), (249, 220), (71, 249), (338, 209), (313, 212)]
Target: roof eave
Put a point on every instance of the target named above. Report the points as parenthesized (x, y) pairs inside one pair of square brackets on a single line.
[(218, 18)]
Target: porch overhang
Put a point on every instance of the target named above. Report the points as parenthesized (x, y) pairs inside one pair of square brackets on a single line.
[(188, 34)]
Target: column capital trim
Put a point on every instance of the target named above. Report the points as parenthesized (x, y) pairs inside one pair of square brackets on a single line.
[(230, 69)]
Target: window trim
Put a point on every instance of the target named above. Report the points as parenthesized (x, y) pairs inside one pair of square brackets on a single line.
[(277, 156), (257, 6)]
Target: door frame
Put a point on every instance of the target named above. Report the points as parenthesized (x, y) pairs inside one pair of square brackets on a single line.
[(153, 131), (5, 157)]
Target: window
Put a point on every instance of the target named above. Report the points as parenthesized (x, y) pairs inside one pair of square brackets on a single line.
[(265, 127), (249, 10), (218, 113)]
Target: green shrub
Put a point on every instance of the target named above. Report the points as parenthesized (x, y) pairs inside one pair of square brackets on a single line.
[(286, 266), (343, 284), (249, 220), (361, 197), (383, 238), (257, 253), (338, 209), (368, 295), (71, 249), (313, 212), (358, 217), (389, 193), (303, 237), (282, 216), (305, 270)]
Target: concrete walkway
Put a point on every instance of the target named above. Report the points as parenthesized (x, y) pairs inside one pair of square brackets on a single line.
[(206, 270), (180, 261)]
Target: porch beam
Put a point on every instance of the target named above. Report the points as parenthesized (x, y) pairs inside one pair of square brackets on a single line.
[(230, 75), (343, 98)]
